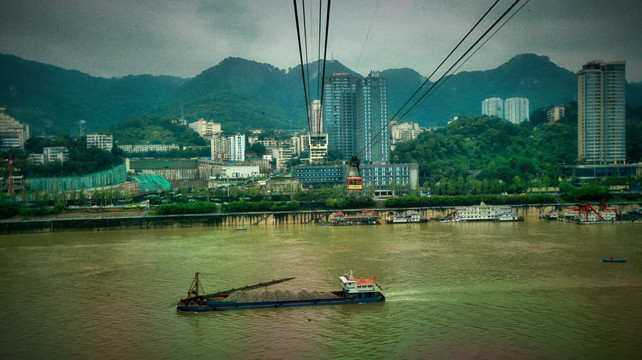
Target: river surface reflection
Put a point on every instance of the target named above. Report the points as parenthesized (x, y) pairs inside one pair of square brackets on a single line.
[(533, 290)]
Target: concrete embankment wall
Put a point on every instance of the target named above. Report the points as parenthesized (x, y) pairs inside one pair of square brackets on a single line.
[(140, 221), (158, 221)]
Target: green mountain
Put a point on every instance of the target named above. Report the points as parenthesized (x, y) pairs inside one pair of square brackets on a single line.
[(243, 94), (53, 100)]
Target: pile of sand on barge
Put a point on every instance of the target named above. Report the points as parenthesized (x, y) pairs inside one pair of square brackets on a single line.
[(277, 295)]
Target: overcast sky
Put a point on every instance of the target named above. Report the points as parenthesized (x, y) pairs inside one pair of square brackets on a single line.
[(182, 38)]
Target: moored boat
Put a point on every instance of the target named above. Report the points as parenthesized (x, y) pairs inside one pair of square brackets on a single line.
[(354, 291), (365, 218), (485, 212), (413, 217)]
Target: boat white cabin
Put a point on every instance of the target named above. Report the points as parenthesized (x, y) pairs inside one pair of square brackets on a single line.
[(483, 212), (353, 285)]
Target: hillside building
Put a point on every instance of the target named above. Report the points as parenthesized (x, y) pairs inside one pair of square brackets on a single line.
[(59, 153), (101, 141), (206, 129), (404, 132), (144, 148), (516, 110), (555, 113), (13, 134), (493, 107)]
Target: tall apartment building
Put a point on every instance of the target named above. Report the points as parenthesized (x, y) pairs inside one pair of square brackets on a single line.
[(316, 121), (355, 113), (373, 134), (516, 110), (12, 132), (220, 147), (318, 138), (601, 112), (237, 148), (101, 141), (339, 113), (493, 107)]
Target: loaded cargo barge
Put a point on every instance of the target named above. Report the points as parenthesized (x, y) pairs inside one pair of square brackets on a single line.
[(354, 291)]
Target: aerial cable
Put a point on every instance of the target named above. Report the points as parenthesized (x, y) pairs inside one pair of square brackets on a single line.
[(460, 59), (433, 73), (480, 46), (305, 45), (490, 37), (368, 35), (298, 33), (319, 89), (325, 51), (446, 58)]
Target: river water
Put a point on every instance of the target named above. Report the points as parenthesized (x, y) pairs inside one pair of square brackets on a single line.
[(527, 290)]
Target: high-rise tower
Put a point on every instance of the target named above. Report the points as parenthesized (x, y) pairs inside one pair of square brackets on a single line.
[(493, 107), (373, 136), (601, 112), (318, 139), (516, 110), (339, 113)]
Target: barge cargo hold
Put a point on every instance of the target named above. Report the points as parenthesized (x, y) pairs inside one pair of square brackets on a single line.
[(354, 291)]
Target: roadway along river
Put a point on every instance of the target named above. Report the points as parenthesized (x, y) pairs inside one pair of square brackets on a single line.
[(527, 290)]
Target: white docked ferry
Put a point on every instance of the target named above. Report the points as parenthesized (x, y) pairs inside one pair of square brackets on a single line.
[(485, 212), (413, 217)]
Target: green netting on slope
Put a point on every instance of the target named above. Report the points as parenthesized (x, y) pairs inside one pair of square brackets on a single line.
[(152, 182), (115, 176)]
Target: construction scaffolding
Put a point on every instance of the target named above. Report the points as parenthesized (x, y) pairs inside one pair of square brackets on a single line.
[(111, 177)]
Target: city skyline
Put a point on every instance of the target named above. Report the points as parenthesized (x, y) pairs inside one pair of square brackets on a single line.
[(118, 38)]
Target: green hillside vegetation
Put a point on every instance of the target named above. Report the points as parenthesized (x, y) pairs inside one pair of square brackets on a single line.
[(82, 160), (53, 100), (242, 94), (146, 129), (484, 155)]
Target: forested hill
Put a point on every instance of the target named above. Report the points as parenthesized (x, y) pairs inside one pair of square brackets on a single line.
[(53, 100), (483, 147), (243, 94)]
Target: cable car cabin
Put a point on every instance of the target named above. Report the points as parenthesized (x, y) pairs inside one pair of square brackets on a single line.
[(354, 181)]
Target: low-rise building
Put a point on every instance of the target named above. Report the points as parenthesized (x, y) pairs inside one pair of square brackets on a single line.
[(58, 153), (376, 177), (13, 134), (283, 185), (101, 141), (143, 148), (282, 156), (206, 129), (321, 175)]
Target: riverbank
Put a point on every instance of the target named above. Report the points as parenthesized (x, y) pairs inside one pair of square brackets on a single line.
[(139, 219)]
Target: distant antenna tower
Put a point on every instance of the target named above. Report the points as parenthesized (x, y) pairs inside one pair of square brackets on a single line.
[(82, 130)]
